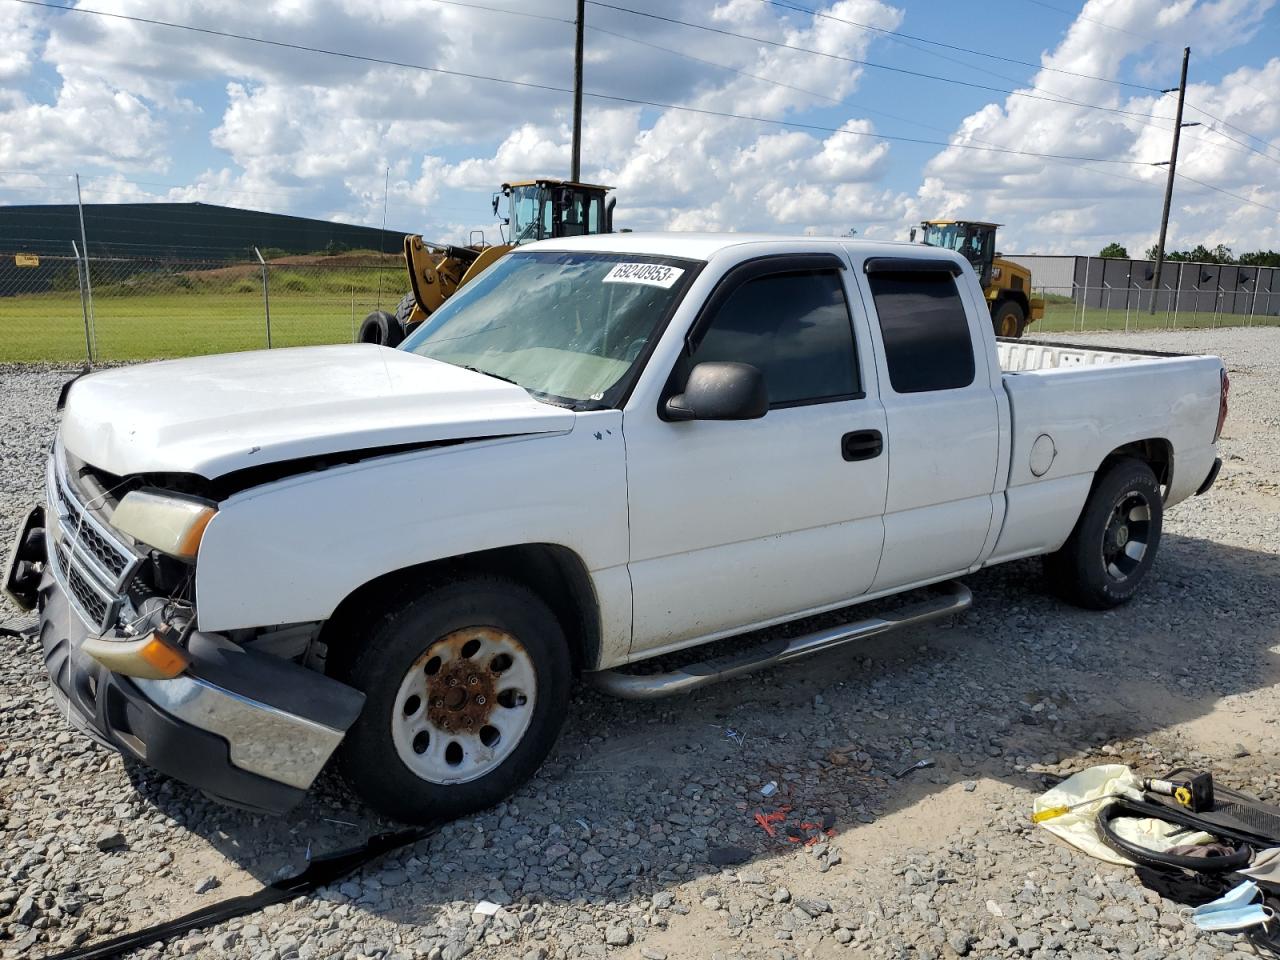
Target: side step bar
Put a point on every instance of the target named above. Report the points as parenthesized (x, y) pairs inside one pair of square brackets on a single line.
[(948, 598)]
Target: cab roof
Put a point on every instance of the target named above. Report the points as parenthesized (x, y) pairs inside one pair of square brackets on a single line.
[(947, 223), (553, 182), (704, 246)]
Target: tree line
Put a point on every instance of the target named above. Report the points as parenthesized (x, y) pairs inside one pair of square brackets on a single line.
[(1200, 254)]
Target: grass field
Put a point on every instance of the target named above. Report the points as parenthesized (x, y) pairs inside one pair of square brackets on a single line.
[(153, 316)]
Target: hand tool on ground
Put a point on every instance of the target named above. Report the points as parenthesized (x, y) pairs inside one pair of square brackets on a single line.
[(918, 765), (1052, 813)]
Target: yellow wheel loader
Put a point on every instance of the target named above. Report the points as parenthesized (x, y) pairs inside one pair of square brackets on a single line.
[(536, 210), (1007, 285)]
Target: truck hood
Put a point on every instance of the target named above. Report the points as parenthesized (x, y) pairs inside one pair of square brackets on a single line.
[(211, 416)]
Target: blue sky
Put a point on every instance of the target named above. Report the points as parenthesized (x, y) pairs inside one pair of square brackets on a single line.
[(146, 112)]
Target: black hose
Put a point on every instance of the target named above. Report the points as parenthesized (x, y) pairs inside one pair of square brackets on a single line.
[(320, 872), (1145, 857)]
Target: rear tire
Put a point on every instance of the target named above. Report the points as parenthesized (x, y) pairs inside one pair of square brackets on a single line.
[(1009, 320), (466, 688), (381, 328), (1114, 542)]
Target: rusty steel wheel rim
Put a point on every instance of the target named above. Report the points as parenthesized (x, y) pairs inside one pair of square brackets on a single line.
[(464, 705)]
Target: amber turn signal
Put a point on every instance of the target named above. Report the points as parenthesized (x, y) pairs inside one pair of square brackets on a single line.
[(149, 657)]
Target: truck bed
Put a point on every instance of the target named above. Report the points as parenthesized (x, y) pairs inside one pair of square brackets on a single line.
[(1080, 403), (1017, 356)]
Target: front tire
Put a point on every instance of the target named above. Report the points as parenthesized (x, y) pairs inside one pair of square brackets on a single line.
[(466, 688), (1009, 320), (1114, 542)]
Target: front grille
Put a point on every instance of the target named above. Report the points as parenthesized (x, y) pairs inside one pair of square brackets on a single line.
[(90, 536), (88, 597), (90, 563)]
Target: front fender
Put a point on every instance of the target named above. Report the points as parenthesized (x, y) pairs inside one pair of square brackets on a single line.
[(290, 551)]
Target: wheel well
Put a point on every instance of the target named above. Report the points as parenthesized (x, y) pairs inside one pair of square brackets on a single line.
[(555, 573), (1156, 452)]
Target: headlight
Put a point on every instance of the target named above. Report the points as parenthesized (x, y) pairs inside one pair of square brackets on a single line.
[(171, 524)]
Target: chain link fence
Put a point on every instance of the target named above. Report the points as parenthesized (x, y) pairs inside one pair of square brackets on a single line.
[(65, 309), (1107, 307), (42, 316), (1092, 293)]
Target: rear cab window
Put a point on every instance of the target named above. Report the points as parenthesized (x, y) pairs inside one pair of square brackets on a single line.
[(924, 326)]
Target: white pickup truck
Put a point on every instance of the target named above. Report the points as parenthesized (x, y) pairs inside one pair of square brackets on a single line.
[(603, 450)]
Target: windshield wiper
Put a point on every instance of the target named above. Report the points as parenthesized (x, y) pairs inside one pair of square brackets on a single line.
[(496, 376)]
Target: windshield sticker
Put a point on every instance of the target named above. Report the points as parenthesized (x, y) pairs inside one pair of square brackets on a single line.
[(650, 274)]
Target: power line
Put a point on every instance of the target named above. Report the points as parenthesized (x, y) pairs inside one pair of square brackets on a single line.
[(505, 10), (951, 46), (1222, 146), (635, 101), (763, 79), (899, 35), (836, 100), (1234, 196), (304, 48), (1144, 117), (1232, 126), (859, 133), (1077, 15), (815, 13)]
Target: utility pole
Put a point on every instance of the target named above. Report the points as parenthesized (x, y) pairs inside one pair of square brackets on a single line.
[(1173, 167), (577, 93)]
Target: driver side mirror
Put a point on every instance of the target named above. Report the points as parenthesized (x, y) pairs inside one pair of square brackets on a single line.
[(720, 390)]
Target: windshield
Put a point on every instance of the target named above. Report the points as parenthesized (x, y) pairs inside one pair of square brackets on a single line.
[(974, 242), (948, 237), (565, 326), (526, 212)]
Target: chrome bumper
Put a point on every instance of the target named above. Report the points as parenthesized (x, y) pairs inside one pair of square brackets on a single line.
[(261, 738), (246, 727)]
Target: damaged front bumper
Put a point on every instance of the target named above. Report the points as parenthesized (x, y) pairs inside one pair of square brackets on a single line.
[(247, 728)]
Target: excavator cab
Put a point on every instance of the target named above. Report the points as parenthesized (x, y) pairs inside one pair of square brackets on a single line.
[(545, 209), (973, 240), (1005, 284), (539, 209)]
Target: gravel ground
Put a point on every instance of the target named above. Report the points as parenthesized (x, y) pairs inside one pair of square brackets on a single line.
[(608, 851)]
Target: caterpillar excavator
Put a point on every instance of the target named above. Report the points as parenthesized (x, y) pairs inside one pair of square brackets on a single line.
[(1007, 285), (538, 209)]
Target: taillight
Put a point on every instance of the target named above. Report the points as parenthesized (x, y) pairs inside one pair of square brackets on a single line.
[(1222, 405)]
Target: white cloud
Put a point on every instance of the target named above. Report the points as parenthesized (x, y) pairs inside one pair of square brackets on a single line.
[(1067, 207), (19, 43), (286, 130), (90, 122)]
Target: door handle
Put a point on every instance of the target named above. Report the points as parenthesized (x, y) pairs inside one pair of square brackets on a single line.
[(861, 445)]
